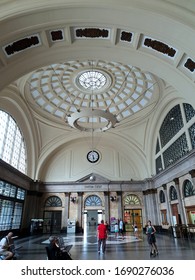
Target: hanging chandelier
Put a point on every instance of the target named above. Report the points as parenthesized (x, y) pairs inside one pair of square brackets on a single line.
[(92, 81), (110, 120)]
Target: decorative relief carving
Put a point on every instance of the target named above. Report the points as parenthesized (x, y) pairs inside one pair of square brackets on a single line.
[(190, 64), (160, 47), (126, 36), (21, 45), (57, 35), (164, 187), (176, 181), (92, 33), (192, 173)]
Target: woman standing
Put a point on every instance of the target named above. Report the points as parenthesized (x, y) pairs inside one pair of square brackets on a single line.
[(150, 231)]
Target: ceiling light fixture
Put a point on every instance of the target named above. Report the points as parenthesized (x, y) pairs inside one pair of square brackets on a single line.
[(73, 199), (113, 198), (92, 178), (92, 80), (75, 120)]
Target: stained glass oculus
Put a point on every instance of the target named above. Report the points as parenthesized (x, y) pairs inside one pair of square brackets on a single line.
[(53, 201), (132, 200), (93, 200)]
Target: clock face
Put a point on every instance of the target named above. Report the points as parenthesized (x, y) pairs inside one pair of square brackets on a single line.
[(93, 156)]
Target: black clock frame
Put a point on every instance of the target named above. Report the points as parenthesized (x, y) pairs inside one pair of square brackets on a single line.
[(95, 159)]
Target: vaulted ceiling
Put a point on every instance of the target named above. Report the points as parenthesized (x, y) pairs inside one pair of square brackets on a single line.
[(76, 69)]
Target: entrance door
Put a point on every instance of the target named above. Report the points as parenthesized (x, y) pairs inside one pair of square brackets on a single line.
[(175, 214), (132, 216), (52, 222), (92, 218)]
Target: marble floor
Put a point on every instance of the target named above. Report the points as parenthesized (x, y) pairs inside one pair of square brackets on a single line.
[(85, 247)]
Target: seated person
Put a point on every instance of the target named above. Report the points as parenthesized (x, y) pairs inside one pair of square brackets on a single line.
[(6, 244), (55, 253)]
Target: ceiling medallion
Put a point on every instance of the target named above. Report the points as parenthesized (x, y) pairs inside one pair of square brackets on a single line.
[(74, 122)]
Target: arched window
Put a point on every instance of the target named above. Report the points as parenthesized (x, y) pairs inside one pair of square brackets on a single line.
[(173, 193), (171, 125), (12, 146), (169, 151), (188, 189), (162, 196), (93, 200), (132, 200), (53, 201)]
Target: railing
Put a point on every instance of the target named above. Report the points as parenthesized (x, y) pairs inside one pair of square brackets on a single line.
[(183, 231)]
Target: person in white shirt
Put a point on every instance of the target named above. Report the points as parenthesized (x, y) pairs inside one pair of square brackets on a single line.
[(135, 230), (121, 227), (5, 245), (116, 230)]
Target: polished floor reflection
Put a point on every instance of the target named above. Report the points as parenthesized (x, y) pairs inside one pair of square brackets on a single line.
[(129, 248)]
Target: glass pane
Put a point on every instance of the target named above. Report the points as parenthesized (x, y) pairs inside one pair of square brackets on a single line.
[(53, 201), (176, 151), (12, 147), (17, 216), (20, 194), (6, 210), (189, 111), (171, 125)]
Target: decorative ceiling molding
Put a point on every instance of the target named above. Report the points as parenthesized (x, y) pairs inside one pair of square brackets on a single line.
[(69, 34), (126, 36), (113, 90), (92, 33), (160, 47), (22, 44), (190, 64), (57, 35)]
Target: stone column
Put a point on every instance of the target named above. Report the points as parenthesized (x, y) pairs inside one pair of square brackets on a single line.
[(107, 206), (66, 210), (119, 200), (169, 213), (151, 205), (79, 226), (146, 208), (181, 206)]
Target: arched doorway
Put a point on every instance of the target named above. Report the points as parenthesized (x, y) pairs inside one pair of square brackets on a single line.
[(92, 212), (132, 212), (52, 215)]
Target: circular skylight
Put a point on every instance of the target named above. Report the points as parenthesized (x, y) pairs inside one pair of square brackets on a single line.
[(93, 80)]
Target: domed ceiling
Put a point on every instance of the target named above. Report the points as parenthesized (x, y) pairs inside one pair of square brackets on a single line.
[(85, 93)]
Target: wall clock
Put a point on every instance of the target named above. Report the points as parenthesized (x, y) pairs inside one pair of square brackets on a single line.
[(93, 156)]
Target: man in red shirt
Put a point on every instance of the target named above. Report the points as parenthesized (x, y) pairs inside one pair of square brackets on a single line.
[(102, 236)]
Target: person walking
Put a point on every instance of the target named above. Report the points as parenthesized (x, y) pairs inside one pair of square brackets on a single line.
[(121, 228), (116, 229), (102, 236), (150, 231), (135, 227)]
